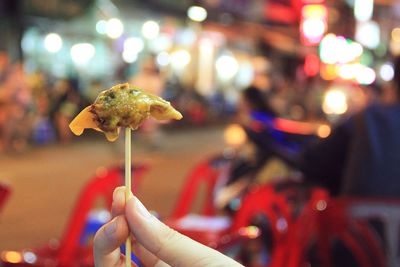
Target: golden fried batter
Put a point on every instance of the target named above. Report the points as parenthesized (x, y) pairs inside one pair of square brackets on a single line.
[(122, 106)]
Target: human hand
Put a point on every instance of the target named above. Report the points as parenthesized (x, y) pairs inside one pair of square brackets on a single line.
[(153, 242)]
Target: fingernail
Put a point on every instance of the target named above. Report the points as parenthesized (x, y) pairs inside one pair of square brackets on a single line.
[(118, 195), (111, 227), (142, 209)]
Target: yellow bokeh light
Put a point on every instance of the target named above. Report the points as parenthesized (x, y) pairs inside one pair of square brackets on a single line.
[(329, 72), (234, 135), (323, 131), (11, 256), (396, 34)]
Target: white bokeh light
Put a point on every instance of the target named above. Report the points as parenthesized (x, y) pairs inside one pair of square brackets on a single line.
[(101, 27), (368, 34), (134, 44), (163, 59), (150, 29), (227, 67), (129, 56), (366, 76), (30, 257), (197, 13), (313, 28), (335, 102), (114, 28), (82, 53), (162, 42), (180, 59), (363, 9), (386, 72), (53, 42)]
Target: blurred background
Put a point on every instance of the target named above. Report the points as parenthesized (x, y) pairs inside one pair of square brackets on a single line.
[(317, 62)]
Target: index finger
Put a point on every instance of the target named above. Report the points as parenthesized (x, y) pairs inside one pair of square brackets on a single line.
[(167, 244)]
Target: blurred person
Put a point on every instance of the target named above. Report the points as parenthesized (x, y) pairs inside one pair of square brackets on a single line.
[(255, 115), (4, 67), (253, 105), (261, 79), (362, 154), (42, 128), (16, 99), (259, 156), (154, 243), (150, 79), (93, 90), (67, 103), (360, 158)]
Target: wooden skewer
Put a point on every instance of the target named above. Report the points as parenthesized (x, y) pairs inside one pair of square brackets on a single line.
[(128, 185)]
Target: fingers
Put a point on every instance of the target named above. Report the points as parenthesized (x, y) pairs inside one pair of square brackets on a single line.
[(118, 205), (145, 256), (107, 241), (168, 245)]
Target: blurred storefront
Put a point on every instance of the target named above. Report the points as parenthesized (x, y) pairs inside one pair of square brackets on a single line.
[(307, 54)]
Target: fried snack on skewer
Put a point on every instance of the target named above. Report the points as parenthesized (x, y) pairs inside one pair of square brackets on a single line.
[(122, 106)]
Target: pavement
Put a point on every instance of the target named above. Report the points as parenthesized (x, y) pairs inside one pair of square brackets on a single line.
[(46, 181)]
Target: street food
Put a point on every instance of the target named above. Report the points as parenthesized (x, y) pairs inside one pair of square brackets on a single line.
[(122, 106)]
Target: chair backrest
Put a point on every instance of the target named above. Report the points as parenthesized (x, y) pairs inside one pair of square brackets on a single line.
[(323, 220), (266, 204), (387, 212), (203, 173), (99, 186), (4, 194)]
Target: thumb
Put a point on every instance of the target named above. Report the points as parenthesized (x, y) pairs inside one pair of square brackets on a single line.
[(167, 244)]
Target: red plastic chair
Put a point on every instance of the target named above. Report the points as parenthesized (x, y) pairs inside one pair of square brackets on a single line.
[(184, 221), (4, 194), (100, 186), (387, 211), (261, 200), (203, 173), (324, 219), (265, 201), (70, 252)]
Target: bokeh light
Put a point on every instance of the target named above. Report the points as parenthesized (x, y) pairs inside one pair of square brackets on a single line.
[(329, 72), (337, 49), (129, 56), (335, 102), (311, 65), (162, 42), (363, 9), (82, 53), (29, 257), (234, 135), (365, 76), (386, 72), (396, 34), (227, 66), (368, 34), (53, 42), (101, 27), (114, 28), (180, 59), (150, 29), (11, 256), (163, 59), (134, 44), (323, 131), (197, 13), (313, 28)]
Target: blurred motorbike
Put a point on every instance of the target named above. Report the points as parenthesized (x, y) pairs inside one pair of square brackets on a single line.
[(251, 150), (234, 187)]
